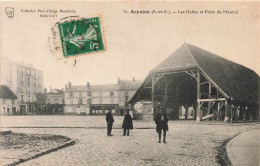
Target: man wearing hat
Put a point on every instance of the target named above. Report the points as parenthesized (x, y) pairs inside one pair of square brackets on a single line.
[(110, 121), (161, 121)]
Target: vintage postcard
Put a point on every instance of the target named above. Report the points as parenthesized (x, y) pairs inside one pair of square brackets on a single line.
[(129, 83)]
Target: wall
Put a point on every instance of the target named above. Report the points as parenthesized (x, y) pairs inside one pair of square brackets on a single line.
[(6, 104)]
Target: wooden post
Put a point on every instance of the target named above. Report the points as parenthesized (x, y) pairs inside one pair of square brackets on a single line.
[(153, 104), (177, 94), (198, 96), (226, 112), (218, 112), (209, 96), (166, 91)]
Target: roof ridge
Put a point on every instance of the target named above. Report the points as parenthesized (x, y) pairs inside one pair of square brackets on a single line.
[(186, 44), (224, 58)]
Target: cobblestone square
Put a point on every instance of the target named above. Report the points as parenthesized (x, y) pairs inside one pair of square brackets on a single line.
[(188, 142)]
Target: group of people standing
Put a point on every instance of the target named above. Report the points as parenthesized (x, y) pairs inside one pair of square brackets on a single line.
[(127, 123), (161, 122)]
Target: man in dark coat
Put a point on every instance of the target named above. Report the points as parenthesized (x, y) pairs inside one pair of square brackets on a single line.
[(161, 121), (127, 123), (110, 121)]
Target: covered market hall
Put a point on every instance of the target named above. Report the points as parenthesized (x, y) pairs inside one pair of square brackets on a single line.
[(193, 83)]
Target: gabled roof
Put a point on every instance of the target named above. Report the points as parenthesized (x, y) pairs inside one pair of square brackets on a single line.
[(124, 85), (5, 92), (180, 59), (129, 85), (109, 87), (78, 88), (235, 80), (82, 88)]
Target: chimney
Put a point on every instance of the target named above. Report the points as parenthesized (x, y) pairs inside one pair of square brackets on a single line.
[(118, 81), (45, 90), (66, 87), (69, 84), (88, 84), (133, 79)]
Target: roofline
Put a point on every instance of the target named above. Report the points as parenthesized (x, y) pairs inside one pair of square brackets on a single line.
[(178, 69), (205, 75), (186, 44)]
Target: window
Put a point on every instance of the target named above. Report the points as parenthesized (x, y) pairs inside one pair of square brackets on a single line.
[(71, 94), (29, 98), (28, 80), (28, 89), (56, 101), (88, 101), (21, 97), (88, 93), (13, 110), (21, 79), (126, 96), (80, 94), (49, 101), (21, 88), (39, 89), (80, 101), (71, 101), (111, 93)]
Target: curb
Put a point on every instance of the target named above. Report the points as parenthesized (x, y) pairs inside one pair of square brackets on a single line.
[(229, 151), (230, 155), (43, 152), (75, 127), (5, 132)]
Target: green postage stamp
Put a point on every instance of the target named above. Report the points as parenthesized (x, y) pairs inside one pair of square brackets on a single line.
[(81, 36)]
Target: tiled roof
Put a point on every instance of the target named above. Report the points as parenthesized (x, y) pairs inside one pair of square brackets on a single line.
[(180, 59), (127, 85), (237, 81), (5, 92), (109, 87), (124, 85)]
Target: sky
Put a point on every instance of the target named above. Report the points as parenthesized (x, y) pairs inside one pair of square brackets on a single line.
[(135, 43)]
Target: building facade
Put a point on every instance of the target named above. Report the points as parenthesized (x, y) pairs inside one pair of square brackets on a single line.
[(98, 99), (8, 101), (24, 80), (51, 103)]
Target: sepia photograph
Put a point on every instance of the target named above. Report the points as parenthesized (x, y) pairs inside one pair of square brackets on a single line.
[(145, 83)]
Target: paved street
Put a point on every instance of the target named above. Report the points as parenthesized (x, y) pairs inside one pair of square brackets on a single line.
[(244, 149), (188, 143)]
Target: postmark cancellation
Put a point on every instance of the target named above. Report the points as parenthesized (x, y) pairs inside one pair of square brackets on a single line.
[(74, 36)]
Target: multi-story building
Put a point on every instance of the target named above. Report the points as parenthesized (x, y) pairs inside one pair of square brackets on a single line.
[(8, 101), (98, 99), (127, 89), (51, 102), (24, 80)]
